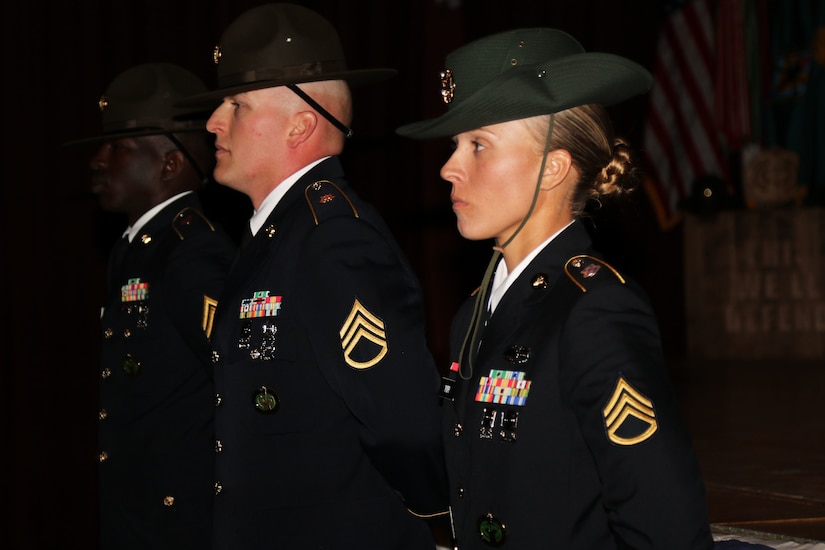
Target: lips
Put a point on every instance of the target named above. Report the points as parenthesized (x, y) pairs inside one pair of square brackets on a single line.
[(98, 185)]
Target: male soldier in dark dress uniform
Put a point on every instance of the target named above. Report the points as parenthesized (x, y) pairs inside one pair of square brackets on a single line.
[(327, 416), (156, 403)]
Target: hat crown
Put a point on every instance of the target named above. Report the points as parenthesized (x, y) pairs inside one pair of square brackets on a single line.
[(475, 64), (146, 97), (279, 41), (280, 44)]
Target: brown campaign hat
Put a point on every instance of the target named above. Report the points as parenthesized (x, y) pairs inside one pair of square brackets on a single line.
[(281, 44), (144, 100)]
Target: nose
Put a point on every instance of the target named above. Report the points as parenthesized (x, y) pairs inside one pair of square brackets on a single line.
[(215, 123), (99, 159), (450, 169)]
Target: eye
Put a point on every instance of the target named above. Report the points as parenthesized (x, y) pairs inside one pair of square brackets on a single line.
[(477, 146), (235, 102), (120, 145)]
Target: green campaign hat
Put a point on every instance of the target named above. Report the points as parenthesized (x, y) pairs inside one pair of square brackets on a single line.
[(281, 44), (523, 73), (143, 101)]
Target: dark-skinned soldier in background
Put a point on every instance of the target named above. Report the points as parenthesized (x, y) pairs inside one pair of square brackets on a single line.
[(156, 397)]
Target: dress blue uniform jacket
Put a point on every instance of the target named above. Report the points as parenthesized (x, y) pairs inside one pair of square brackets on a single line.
[(155, 430), (327, 411), (567, 434)]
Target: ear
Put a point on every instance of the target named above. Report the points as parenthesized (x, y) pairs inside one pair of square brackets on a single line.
[(303, 126), (556, 169), (173, 163)]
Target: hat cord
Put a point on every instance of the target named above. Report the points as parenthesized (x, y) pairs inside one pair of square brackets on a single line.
[(481, 297), (323, 112), (190, 158)]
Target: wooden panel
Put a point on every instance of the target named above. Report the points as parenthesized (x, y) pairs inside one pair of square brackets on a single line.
[(754, 284)]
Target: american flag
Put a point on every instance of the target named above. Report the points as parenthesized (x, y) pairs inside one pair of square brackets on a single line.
[(681, 139)]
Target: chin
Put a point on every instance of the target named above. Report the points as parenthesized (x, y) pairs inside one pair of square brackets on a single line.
[(220, 176), (469, 231), (469, 235)]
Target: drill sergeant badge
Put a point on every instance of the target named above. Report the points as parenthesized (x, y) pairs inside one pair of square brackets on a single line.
[(363, 338), (260, 305), (629, 417)]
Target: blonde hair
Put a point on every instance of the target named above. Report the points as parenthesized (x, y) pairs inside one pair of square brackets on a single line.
[(604, 162)]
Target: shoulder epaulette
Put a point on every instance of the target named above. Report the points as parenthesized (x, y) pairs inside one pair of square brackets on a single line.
[(188, 219), (582, 269), (326, 200)]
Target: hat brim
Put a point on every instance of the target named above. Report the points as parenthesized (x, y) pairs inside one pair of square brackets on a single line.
[(353, 78), (539, 89), (111, 136)]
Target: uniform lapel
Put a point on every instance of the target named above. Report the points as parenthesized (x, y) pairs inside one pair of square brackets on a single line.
[(116, 259), (259, 249), (532, 286)]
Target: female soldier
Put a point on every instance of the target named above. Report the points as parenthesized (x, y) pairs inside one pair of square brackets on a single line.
[(561, 426)]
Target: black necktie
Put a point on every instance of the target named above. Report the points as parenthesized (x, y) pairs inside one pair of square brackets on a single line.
[(119, 252), (247, 237), (116, 258)]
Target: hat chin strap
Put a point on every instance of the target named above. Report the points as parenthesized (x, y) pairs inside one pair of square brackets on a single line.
[(471, 336), (323, 112), (189, 157)]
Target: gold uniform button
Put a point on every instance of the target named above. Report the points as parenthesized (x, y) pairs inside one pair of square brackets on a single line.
[(218, 487), (102, 414), (127, 333), (108, 333), (103, 456), (168, 501), (105, 373), (218, 446)]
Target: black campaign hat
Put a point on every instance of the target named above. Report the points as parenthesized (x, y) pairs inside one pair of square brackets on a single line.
[(144, 101), (523, 73), (280, 44)]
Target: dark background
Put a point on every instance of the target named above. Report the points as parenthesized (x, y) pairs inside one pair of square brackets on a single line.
[(59, 57)]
